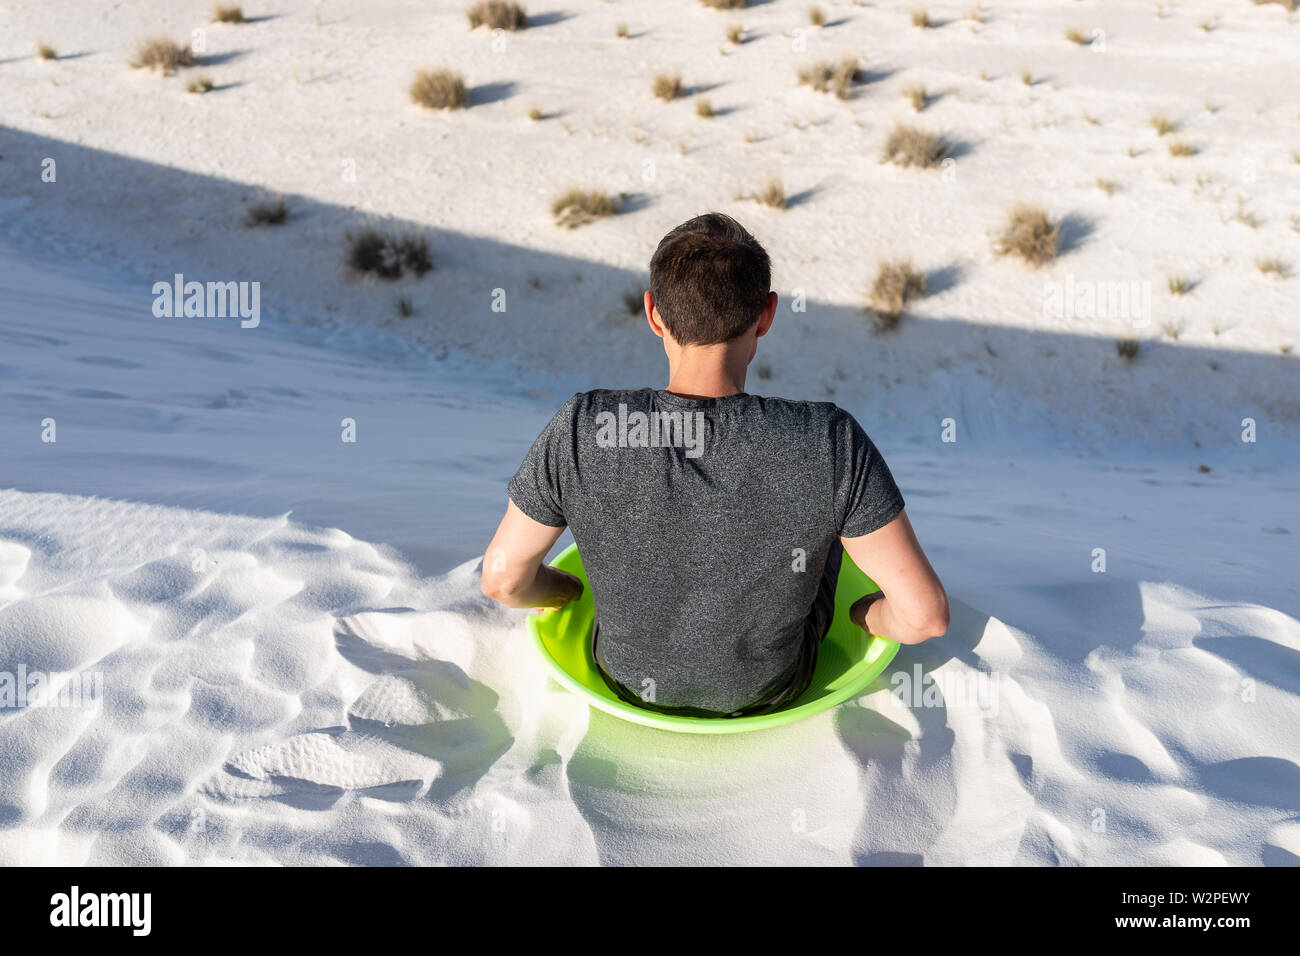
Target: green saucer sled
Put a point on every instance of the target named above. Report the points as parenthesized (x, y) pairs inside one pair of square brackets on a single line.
[(849, 659)]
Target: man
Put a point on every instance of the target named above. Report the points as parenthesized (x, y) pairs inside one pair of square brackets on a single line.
[(711, 521)]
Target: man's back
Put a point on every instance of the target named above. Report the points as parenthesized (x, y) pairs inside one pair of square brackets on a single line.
[(705, 525)]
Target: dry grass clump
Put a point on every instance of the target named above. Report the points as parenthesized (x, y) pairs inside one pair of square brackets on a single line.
[(577, 207), (723, 4), (45, 51), (271, 212), (704, 109), (917, 95), (1029, 234), (1179, 285), (620, 31), (817, 16), (227, 13), (1289, 4), (1075, 35), (1127, 349), (896, 282), (163, 54), (921, 19), (826, 77), (667, 86), (1272, 267), (200, 84), (496, 15), (735, 34), (1108, 186), (1180, 147), (1163, 125), (388, 255), (909, 146), (772, 194), (439, 90)]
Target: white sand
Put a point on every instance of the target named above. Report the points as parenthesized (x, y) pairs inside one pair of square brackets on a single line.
[(278, 690)]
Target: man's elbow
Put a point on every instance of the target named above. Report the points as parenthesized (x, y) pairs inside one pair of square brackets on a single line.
[(500, 589), (935, 624)]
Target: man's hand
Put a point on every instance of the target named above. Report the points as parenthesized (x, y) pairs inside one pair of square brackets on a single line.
[(513, 573)]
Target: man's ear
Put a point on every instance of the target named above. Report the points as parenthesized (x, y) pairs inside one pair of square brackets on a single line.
[(768, 314), (652, 315)]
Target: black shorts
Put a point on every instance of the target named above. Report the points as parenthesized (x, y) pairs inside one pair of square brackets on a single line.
[(785, 689)]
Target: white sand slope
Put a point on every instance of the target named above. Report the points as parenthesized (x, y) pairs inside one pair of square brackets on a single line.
[(272, 692), (277, 694), (283, 630)]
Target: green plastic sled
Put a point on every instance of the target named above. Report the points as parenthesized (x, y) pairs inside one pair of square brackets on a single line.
[(849, 659)]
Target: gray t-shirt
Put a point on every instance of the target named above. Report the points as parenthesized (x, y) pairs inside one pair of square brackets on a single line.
[(704, 527)]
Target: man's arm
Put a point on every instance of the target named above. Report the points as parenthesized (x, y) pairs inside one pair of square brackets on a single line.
[(915, 606), (513, 573)]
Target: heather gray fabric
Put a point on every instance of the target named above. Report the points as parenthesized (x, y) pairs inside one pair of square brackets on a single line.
[(705, 526)]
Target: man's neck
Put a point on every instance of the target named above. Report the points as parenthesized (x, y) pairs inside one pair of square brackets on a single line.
[(707, 372)]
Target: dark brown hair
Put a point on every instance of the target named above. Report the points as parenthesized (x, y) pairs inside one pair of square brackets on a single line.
[(710, 279)]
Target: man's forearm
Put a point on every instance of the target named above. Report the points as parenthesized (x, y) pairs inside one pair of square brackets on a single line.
[(877, 616), (550, 587)]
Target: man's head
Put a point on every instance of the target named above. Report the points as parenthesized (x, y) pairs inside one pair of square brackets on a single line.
[(710, 281)]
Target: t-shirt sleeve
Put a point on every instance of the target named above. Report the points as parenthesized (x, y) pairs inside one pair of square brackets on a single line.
[(537, 488), (866, 497)]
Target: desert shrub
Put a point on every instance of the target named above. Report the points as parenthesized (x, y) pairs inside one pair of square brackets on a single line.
[(1027, 78), (1127, 349), (723, 4), (826, 77), (1108, 186), (162, 54), (667, 86), (1163, 125), (227, 13), (439, 90), (921, 18), (817, 16), (1273, 267), (1030, 234), (620, 31), (909, 146), (496, 15), (387, 255), (270, 212), (1179, 285), (1075, 35), (1180, 147), (1289, 4), (772, 194), (704, 109), (200, 84), (735, 33), (577, 207), (895, 283), (917, 95), (45, 51)]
